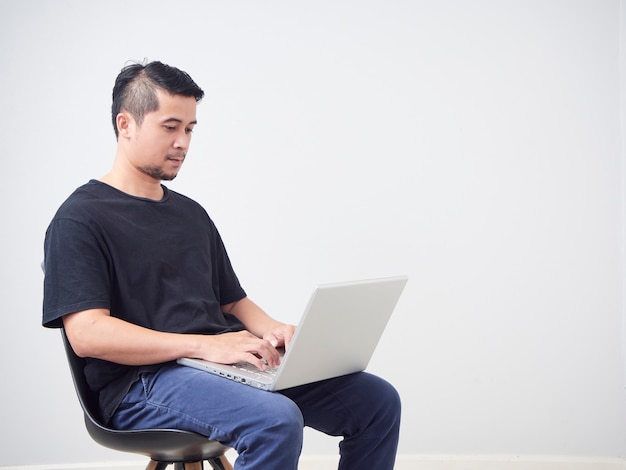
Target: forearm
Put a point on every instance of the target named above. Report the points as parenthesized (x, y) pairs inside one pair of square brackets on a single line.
[(260, 324), (253, 317), (94, 333)]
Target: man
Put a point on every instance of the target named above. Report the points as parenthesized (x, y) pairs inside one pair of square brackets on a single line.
[(138, 276)]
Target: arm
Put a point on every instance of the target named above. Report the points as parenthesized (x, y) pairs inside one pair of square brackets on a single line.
[(95, 333), (260, 323)]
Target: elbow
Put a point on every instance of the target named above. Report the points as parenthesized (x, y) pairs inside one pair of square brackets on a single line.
[(80, 350), (81, 331), (79, 344)]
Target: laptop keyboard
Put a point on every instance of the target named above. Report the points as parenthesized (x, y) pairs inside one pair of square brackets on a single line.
[(268, 373)]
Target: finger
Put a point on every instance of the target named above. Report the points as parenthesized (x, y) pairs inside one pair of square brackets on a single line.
[(270, 355), (287, 338), (275, 338), (255, 360)]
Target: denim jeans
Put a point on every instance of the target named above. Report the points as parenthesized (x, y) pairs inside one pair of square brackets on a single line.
[(266, 428)]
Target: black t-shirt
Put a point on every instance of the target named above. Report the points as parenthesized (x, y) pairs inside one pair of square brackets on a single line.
[(157, 264)]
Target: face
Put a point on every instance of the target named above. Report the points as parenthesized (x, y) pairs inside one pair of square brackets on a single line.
[(158, 147)]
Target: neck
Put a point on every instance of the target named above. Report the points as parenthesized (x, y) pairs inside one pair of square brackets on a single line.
[(131, 181)]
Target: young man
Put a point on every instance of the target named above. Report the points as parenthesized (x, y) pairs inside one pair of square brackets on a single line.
[(138, 276)]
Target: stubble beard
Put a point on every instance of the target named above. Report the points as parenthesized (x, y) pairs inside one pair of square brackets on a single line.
[(158, 173)]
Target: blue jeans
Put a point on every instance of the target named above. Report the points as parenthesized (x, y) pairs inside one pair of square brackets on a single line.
[(266, 428)]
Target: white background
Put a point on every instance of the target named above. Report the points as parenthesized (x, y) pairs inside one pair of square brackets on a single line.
[(476, 146)]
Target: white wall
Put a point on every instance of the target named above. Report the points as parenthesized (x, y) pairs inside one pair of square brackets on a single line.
[(474, 145)]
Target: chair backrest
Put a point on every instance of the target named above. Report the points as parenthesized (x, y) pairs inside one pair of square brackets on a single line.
[(77, 365), (161, 445), (85, 396)]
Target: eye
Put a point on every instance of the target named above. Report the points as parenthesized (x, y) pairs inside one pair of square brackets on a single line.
[(189, 130), (170, 128)]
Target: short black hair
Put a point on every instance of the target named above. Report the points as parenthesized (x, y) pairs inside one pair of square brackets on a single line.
[(136, 85)]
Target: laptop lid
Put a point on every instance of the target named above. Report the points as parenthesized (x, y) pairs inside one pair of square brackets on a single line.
[(339, 331)]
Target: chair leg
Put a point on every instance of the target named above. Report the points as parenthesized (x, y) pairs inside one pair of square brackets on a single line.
[(217, 463), (154, 465), (188, 466), (194, 466), (220, 463)]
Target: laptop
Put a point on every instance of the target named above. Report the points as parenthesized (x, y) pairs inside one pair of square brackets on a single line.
[(337, 335)]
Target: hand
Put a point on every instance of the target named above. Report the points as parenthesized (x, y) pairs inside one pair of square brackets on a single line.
[(280, 336), (241, 346)]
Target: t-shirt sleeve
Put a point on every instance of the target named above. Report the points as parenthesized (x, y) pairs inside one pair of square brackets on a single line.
[(228, 288), (75, 271)]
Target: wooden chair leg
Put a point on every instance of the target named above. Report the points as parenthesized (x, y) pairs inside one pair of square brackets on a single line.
[(194, 466), (225, 463), (220, 463), (154, 465)]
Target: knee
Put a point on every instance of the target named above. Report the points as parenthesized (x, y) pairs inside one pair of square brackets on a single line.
[(392, 398), (274, 437), (278, 414), (386, 398), (288, 416)]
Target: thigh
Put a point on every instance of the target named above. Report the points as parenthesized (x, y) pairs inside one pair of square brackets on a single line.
[(347, 405), (185, 398)]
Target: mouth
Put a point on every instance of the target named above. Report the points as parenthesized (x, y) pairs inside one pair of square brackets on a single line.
[(176, 158)]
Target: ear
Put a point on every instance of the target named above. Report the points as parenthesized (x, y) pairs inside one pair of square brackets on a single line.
[(125, 124)]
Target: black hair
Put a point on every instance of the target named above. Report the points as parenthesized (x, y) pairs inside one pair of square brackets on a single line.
[(136, 85)]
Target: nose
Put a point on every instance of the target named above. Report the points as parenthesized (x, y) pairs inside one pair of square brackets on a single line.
[(183, 139)]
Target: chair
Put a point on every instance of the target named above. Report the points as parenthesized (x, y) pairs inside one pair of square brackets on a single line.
[(186, 450)]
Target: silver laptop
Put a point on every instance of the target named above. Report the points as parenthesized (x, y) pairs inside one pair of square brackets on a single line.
[(336, 336)]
